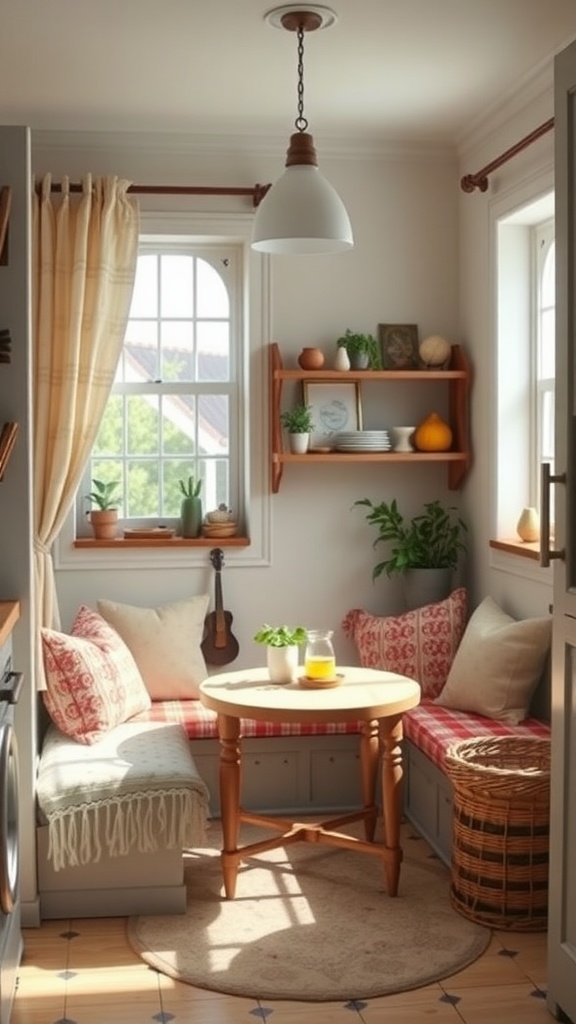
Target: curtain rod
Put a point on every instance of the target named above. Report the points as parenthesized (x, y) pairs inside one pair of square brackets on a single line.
[(257, 191), (480, 180)]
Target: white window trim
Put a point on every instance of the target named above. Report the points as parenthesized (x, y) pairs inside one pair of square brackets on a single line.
[(236, 229), (501, 208)]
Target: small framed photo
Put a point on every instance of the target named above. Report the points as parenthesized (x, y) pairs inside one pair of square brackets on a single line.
[(399, 346), (334, 408)]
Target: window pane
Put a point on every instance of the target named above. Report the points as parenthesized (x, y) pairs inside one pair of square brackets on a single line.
[(177, 295), (140, 351), (142, 430), (178, 427), (547, 361), (549, 278), (213, 351), (177, 350), (110, 439), (213, 298), (213, 424), (142, 487), (145, 294)]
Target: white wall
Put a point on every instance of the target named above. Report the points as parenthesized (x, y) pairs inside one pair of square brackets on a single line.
[(404, 268), (521, 586)]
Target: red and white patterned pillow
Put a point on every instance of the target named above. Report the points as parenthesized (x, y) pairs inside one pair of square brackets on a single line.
[(420, 644), (93, 682)]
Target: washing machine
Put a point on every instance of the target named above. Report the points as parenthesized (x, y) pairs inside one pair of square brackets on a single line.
[(10, 923)]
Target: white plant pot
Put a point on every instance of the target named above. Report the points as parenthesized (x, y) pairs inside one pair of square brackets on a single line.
[(283, 663), (299, 443)]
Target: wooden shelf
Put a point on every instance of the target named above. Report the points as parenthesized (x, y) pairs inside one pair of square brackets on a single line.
[(166, 542), (457, 379)]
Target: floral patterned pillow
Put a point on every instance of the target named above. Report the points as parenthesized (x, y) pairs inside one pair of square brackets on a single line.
[(420, 644), (93, 682)]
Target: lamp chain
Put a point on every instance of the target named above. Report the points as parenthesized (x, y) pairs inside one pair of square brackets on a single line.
[(301, 123)]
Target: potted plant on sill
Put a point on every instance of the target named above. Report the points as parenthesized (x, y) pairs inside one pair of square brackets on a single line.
[(104, 518), (426, 549), (191, 507), (282, 643), (299, 424), (362, 349)]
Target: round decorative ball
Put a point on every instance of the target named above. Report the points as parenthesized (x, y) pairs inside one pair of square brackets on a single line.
[(311, 359), (434, 350)]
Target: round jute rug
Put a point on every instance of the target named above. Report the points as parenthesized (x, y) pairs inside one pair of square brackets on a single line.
[(311, 922)]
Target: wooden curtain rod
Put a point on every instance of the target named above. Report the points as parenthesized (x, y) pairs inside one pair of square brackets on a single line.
[(480, 180), (257, 191)]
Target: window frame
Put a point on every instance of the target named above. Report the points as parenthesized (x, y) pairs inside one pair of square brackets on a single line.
[(218, 230)]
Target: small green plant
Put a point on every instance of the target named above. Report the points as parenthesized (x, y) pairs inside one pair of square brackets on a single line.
[(191, 488), (280, 636), (356, 344), (432, 540), (298, 419), (104, 495)]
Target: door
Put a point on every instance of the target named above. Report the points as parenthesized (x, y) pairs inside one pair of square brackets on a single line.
[(562, 887)]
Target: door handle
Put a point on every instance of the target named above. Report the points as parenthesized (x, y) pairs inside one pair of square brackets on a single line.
[(546, 479)]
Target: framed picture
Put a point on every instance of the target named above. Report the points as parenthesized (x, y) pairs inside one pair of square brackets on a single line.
[(399, 346), (334, 407)]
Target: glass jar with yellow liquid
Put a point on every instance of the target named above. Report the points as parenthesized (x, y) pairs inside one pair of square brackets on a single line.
[(319, 658)]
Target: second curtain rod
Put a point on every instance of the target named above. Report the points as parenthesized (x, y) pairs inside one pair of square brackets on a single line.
[(257, 191)]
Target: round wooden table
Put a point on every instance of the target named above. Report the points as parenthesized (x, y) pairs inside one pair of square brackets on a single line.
[(376, 698)]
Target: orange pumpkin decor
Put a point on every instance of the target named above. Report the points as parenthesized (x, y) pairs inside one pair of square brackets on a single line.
[(433, 435)]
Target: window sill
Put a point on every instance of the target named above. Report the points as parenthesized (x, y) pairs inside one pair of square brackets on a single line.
[(524, 549), (168, 542)]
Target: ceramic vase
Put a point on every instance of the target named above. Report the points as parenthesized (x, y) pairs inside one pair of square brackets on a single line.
[(299, 443), (311, 359), (341, 359), (359, 360), (191, 517), (282, 663), (528, 525), (401, 438)]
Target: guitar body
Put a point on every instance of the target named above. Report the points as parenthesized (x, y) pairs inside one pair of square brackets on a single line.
[(219, 645)]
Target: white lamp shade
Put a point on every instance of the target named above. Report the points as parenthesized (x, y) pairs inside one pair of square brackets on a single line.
[(302, 213)]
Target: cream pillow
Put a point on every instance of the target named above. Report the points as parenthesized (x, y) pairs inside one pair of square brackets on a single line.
[(497, 665), (165, 643)]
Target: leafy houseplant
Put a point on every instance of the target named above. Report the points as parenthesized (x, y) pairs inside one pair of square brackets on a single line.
[(361, 349), (282, 644), (298, 419), (104, 517), (280, 636), (191, 507), (434, 539), (299, 424)]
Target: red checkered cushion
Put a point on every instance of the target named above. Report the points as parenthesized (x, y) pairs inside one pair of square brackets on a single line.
[(433, 729), (200, 723)]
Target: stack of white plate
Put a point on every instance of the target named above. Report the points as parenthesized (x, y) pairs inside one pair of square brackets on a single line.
[(363, 441)]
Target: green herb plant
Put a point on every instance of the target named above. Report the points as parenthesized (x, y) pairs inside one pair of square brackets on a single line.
[(104, 495), (298, 419), (191, 488), (280, 636), (434, 539), (355, 344)]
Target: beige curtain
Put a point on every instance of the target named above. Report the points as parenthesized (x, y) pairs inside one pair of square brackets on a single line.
[(85, 248)]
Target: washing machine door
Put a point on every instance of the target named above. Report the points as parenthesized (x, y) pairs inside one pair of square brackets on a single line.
[(9, 859)]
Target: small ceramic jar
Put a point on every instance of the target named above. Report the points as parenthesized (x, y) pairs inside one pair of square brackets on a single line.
[(311, 359)]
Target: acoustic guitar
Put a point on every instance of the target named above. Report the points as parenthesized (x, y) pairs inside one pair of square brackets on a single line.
[(219, 645)]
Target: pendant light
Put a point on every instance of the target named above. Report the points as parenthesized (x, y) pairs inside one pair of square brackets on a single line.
[(302, 212)]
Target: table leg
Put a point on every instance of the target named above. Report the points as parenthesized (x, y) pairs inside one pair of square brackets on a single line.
[(391, 750), (230, 775), (369, 755)]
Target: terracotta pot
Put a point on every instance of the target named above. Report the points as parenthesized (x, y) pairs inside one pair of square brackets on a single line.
[(311, 359), (104, 523)]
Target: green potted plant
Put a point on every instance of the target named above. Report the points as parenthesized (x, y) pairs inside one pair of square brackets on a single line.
[(191, 507), (104, 517), (282, 643), (363, 351), (299, 423), (432, 541)]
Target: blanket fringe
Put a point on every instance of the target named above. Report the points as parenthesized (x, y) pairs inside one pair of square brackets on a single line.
[(169, 819)]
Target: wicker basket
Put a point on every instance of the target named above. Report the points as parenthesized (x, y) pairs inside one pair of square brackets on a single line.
[(500, 833)]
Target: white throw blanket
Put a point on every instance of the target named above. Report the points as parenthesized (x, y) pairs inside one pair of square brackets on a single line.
[(136, 789)]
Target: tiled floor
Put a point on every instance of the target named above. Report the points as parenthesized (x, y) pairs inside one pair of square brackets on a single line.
[(85, 972)]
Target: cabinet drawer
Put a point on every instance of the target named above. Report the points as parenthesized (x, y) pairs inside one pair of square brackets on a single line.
[(335, 779)]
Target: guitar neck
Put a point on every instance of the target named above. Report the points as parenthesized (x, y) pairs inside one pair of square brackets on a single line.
[(219, 608)]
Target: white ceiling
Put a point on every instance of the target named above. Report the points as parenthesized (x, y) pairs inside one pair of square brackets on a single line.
[(388, 70)]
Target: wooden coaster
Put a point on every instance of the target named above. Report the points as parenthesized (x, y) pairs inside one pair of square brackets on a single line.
[(321, 684)]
